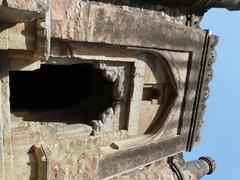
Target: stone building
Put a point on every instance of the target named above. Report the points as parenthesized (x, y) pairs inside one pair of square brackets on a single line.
[(111, 89)]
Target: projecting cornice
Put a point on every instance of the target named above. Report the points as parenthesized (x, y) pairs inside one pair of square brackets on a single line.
[(200, 5)]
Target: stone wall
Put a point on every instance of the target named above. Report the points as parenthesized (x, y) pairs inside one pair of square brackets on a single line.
[(157, 61)]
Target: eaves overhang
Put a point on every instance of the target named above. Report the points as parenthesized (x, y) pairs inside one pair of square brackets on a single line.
[(201, 5)]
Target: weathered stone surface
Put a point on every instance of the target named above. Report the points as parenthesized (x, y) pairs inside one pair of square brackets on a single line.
[(138, 79), (38, 6), (6, 141), (13, 11), (3, 37), (20, 36), (24, 33), (127, 159), (42, 162), (156, 170), (103, 23), (145, 70), (205, 91)]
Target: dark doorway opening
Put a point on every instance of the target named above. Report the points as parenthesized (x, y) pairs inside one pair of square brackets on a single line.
[(60, 93)]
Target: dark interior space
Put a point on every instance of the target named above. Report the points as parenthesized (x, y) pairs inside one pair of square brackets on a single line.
[(150, 93), (60, 93)]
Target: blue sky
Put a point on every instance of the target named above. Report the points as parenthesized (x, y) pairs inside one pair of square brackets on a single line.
[(221, 134)]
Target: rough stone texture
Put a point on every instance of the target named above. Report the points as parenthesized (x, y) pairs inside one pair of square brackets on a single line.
[(25, 39), (38, 6), (26, 133), (23, 61), (94, 15), (70, 156), (67, 25), (211, 58), (158, 64), (138, 80), (6, 149), (2, 172), (118, 73), (49, 132), (16, 11), (156, 170), (3, 37), (23, 32)]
